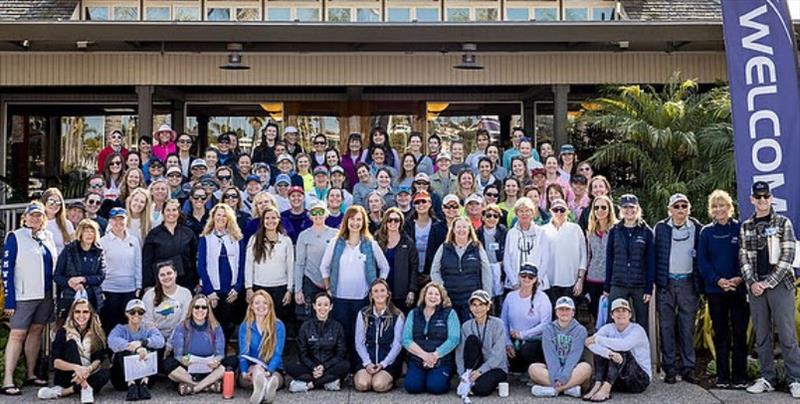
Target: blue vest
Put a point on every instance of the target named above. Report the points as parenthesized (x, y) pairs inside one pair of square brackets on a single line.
[(436, 333), (630, 266), (379, 331), (462, 276), (369, 266)]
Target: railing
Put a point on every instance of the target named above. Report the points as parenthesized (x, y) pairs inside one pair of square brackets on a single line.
[(11, 216)]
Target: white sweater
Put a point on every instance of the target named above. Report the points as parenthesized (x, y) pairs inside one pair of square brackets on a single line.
[(563, 254), (276, 269)]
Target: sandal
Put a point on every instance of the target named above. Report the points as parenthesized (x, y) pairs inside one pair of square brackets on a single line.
[(216, 387), (35, 381), (185, 389), (11, 390), (594, 398)]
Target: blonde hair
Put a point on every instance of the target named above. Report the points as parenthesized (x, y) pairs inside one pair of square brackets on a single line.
[(87, 224), (61, 216), (93, 330), (451, 231), (719, 196), (442, 292), (232, 227), (124, 189), (268, 339), (263, 195), (594, 224), (344, 228), (524, 202), (494, 208), (210, 318), (145, 218)]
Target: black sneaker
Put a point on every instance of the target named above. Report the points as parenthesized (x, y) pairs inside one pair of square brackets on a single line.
[(144, 392), (670, 378), (133, 393), (739, 385), (722, 384), (688, 377)]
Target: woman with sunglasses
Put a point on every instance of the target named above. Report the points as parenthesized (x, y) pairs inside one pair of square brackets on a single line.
[(269, 263), (451, 206), (29, 259), (491, 196), (184, 144), (138, 208), (309, 250), (422, 182), (427, 232), (379, 335), (57, 224), (601, 219), (133, 338), (320, 144), (562, 251), (220, 265), (95, 185), (81, 269), (167, 304), (115, 145), (78, 352), (155, 169), (353, 158), (199, 337), (224, 177), (401, 253), (461, 265), (351, 262), (170, 241), (554, 192), (262, 337), (526, 312), (492, 235), (112, 175), (92, 202), (232, 197), (598, 186)]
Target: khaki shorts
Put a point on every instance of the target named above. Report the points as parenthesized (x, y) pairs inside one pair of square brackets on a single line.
[(32, 312)]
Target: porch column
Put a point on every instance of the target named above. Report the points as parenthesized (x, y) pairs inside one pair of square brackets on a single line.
[(560, 93), (178, 117), (529, 118), (144, 97)]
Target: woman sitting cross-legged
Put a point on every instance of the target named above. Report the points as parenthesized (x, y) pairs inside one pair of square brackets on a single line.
[(481, 355), (78, 352), (261, 337), (198, 339), (621, 355), (379, 331), (562, 343), (134, 338), (430, 336), (322, 351)]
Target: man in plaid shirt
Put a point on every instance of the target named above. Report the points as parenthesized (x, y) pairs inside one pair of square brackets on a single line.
[(771, 288)]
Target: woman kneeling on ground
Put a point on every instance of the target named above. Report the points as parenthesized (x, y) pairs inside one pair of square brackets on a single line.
[(198, 338), (78, 352), (621, 355), (562, 343), (322, 352), (261, 340), (481, 356), (379, 331)]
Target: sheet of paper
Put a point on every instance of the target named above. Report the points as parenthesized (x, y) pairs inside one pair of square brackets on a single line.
[(199, 364), (254, 361), (136, 369)]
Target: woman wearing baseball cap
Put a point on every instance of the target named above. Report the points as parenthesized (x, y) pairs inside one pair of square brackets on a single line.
[(480, 357)]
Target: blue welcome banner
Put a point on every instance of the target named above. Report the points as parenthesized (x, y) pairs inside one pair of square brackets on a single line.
[(762, 69)]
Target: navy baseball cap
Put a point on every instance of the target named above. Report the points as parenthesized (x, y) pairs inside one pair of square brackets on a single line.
[(252, 177), (760, 188), (628, 200)]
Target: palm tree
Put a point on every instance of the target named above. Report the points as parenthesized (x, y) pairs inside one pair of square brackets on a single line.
[(677, 139)]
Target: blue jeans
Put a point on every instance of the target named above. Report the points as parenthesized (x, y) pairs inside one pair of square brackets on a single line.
[(435, 380)]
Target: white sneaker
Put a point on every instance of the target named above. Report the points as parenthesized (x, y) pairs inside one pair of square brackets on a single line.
[(574, 391), (760, 386), (298, 386), (543, 391), (259, 384), (463, 389), (794, 388), (271, 390), (49, 393), (87, 395), (333, 386)]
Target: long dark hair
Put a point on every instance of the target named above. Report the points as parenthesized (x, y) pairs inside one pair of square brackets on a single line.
[(387, 149), (263, 246), (159, 290), (382, 236), (391, 309)]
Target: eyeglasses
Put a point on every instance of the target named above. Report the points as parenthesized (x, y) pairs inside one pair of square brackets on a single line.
[(558, 210), (491, 195), (680, 206), (317, 212), (174, 175), (54, 202), (491, 215), (231, 196), (763, 196), (82, 312), (451, 206), (136, 312), (199, 197), (393, 220), (200, 307), (600, 207), (224, 177), (93, 202), (421, 202), (185, 141)]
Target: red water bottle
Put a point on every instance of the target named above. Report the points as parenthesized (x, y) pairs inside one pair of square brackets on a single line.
[(228, 383)]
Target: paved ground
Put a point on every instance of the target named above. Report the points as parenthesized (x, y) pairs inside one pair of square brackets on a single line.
[(657, 393)]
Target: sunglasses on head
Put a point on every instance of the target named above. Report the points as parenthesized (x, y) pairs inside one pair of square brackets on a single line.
[(136, 312), (558, 210), (600, 207)]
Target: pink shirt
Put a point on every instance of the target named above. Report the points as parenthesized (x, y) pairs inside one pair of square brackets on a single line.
[(162, 151)]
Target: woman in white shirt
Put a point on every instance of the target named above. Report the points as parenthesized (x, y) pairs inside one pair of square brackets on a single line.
[(57, 222), (526, 312), (563, 254), (123, 281), (167, 304), (269, 263), (350, 264), (138, 208)]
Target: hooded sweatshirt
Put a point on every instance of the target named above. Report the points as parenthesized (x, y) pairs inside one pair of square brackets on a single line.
[(563, 348), (493, 344)]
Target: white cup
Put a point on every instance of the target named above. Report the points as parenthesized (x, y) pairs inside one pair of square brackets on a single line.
[(502, 389)]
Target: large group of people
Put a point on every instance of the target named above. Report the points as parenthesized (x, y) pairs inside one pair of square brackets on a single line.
[(379, 265)]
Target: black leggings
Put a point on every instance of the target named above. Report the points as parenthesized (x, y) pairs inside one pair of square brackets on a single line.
[(529, 352), (473, 359), (118, 371), (113, 310), (301, 372), (229, 314), (627, 377), (63, 378)]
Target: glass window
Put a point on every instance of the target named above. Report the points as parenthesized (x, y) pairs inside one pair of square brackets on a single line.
[(485, 14), (308, 14), (279, 14), (427, 14), (368, 15), (517, 14), (97, 13), (576, 14), (398, 14), (187, 14), (545, 14), (157, 14), (602, 13), (218, 14), (339, 15), (126, 13), (247, 14), (458, 14)]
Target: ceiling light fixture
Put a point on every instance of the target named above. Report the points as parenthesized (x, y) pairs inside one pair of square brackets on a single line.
[(234, 58), (468, 59)]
